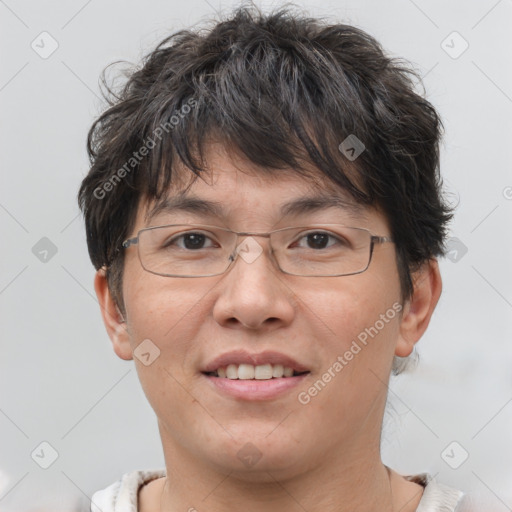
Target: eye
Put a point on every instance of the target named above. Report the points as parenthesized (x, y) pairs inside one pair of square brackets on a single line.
[(319, 240), (190, 241)]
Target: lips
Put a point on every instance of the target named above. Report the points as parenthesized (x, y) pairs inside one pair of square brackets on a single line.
[(223, 375)]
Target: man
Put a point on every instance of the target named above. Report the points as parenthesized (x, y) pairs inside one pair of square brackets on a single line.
[(264, 212)]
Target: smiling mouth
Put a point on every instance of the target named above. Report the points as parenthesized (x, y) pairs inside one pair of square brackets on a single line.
[(252, 372)]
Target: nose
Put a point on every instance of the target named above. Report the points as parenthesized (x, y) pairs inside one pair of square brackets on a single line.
[(253, 293)]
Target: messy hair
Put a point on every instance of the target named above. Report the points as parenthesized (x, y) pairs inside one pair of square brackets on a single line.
[(284, 91)]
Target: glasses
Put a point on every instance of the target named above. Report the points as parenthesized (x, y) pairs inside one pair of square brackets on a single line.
[(319, 250)]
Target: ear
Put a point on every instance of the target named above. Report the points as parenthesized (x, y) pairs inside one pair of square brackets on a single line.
[(112, 317), (427, 286)]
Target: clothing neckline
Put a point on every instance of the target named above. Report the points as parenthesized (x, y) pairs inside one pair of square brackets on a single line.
[(123, 495)]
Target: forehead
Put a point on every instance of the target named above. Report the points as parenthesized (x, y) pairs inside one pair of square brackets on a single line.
[(230, 185)]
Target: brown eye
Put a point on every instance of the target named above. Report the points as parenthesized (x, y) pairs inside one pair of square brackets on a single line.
[(318, 240), (193, 241), (190, 241)]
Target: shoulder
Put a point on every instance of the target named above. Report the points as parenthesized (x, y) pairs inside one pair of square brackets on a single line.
[(436, 497), (122, 495)]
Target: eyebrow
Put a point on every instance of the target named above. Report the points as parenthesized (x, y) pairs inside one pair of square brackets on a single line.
[(312, 204), (300, 206)]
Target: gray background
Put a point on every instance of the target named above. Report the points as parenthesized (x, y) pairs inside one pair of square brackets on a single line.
[(60, 381)]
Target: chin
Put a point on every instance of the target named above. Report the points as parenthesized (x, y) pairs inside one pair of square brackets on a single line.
[(253, 456)]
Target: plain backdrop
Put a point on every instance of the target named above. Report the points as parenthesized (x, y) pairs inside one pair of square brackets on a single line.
[(62, 385)]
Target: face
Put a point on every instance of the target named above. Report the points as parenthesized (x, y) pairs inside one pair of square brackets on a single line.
[(340, 333)]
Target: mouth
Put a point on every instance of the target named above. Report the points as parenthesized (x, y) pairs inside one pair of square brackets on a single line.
[(251, 372), (245, 376)]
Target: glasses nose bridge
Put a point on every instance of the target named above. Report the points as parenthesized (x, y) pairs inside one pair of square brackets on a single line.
[(239, 235), (249, 251)]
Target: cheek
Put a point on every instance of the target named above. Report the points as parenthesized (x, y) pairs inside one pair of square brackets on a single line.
[(356, 325), (345, 308), (166, 311), (164, 317)]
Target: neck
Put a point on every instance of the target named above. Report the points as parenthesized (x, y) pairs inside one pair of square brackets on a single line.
[(365, 487)]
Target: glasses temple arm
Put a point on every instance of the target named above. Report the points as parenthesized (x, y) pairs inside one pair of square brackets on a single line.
[(130, 242)]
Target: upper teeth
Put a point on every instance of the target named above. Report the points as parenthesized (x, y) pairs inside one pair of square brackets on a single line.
[(249, 371)]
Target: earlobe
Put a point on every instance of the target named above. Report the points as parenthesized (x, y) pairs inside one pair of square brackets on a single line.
[(112, 317), (418, 309)]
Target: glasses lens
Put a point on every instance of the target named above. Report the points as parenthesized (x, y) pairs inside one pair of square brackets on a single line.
[(185, 250), (198, 250), (323, 250)]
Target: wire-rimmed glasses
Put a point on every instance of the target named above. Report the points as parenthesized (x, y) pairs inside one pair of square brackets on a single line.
[(198, 250)]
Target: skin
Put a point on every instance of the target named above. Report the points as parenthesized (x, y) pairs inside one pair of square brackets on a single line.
[(323, 456)]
